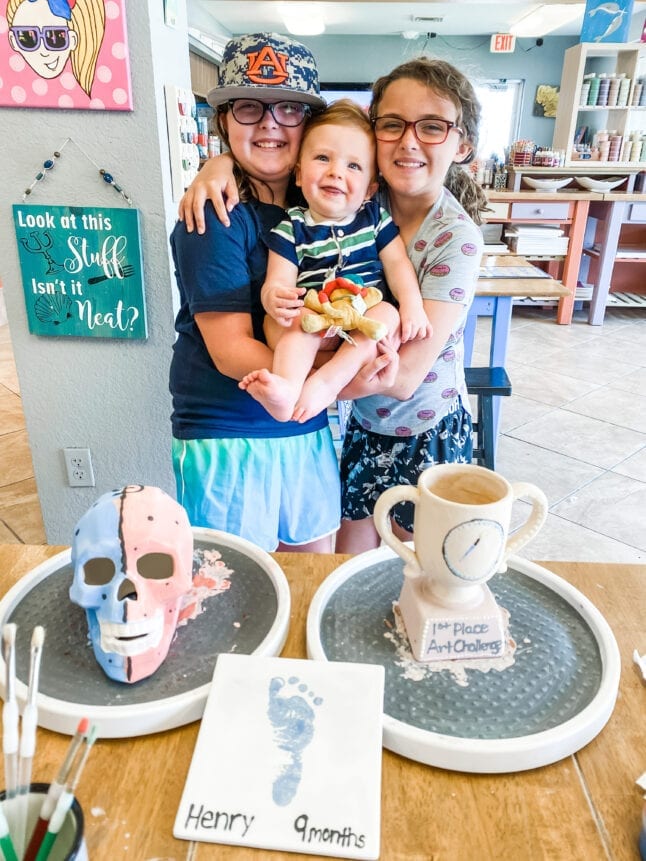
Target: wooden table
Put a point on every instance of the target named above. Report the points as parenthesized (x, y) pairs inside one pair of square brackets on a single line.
[(494, 298), (541, 204), (616, 209), (585, 807)]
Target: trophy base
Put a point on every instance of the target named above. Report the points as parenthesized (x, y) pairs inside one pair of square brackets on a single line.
[(438, 633)]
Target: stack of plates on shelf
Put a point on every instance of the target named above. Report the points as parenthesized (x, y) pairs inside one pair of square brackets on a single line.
[(536, 240)]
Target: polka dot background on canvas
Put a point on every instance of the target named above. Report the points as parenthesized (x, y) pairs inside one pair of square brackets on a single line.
[(27, 77)]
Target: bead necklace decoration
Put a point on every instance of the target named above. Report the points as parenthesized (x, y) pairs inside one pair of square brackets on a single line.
[(50, 163)]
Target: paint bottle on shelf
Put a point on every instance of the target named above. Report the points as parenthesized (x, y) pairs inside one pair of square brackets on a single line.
[(593, 93), (637, 92), (635, 147), (604, 87), (585, 90), (613, 91), (624, 91)]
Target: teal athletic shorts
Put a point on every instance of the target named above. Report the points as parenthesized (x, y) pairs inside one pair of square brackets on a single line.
[(284, 489)]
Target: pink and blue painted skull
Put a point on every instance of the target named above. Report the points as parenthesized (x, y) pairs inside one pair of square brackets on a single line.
[(132, 555)]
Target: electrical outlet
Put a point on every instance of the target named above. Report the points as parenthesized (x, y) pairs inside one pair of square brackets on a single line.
[(78, 463)]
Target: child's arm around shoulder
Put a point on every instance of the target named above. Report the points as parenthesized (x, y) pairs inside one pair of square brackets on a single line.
[(402, 280), (214, 182), (280, 296)]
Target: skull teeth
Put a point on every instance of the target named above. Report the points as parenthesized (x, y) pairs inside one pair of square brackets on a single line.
[(132, 638)]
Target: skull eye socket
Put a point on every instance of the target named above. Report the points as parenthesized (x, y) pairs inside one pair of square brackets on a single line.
[(99, 571), (155, 566)]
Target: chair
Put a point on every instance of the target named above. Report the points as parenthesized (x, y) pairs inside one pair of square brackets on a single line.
[(487, 383)]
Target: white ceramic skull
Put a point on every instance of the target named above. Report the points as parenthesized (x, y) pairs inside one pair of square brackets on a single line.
[(132, 555)]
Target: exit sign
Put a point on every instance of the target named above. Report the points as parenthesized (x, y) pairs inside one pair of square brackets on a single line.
[(502, 43)]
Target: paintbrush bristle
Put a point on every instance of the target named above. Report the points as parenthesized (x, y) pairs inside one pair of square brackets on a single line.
[(9, 634), (37, 637)]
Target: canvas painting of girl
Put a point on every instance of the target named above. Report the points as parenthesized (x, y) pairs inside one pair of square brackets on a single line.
[(64, 54)]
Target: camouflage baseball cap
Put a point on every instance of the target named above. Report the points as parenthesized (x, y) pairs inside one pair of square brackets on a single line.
[(267, 65)]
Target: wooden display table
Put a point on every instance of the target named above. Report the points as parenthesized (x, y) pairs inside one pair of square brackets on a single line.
[(585, 807), (603, 244), (564, 208)]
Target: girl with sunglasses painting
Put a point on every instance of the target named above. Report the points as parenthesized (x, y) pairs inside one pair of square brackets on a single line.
[(46, 33), (238, 469), (425, 116)]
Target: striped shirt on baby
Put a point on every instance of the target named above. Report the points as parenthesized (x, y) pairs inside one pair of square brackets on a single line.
[(327, 249)]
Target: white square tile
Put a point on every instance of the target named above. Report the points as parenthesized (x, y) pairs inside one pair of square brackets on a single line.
[(564, 541), (582, 438), (613, 505), (556, 475), (617, 407)]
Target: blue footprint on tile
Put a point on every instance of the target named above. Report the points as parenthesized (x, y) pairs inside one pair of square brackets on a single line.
[(292, 719)]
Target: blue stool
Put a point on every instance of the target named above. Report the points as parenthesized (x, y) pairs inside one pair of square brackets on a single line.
[(486, 383)]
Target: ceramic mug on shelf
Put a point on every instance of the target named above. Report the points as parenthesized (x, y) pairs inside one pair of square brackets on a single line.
[(461, 528)]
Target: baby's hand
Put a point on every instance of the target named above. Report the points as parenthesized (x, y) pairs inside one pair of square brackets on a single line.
[(415, 325), (283, 303)]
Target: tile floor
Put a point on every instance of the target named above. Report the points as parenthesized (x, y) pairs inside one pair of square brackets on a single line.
[(575, 425)]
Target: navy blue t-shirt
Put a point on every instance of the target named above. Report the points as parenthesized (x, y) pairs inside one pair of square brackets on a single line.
[(221, 270)]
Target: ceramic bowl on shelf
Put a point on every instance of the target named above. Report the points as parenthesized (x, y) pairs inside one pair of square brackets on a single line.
[(546, 184), (600, 184)]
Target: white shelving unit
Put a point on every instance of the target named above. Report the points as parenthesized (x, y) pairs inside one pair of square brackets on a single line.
[(579, 60)]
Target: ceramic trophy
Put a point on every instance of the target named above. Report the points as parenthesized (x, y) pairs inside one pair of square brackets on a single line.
[(461, 539)]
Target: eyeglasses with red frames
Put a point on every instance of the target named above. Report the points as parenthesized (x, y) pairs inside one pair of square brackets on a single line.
[(248, 112), (430, 130), (30, 38)]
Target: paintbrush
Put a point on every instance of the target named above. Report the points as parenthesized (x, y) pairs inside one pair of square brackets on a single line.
[(10, 712), (65, 801), (28, 737), (6, 843), (55, 790)]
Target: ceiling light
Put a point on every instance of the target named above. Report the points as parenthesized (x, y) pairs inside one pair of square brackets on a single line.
[(301, 19), (545, 19), (411, 34)]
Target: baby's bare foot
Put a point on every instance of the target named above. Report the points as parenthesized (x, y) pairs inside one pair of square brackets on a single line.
[(317, 395), (276, 394)]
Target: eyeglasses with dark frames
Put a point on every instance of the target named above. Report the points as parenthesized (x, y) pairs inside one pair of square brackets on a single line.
[(430, 130), (247, 112), (53, 38)]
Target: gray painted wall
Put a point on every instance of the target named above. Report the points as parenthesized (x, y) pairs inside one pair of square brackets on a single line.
[(109, 395)]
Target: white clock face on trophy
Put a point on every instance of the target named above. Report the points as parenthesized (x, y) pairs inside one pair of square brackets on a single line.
[(472, 550)]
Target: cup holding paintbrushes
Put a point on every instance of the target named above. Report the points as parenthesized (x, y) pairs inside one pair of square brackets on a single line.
[(45, 818)]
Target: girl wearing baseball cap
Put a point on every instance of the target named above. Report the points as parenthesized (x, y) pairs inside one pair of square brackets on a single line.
[(236, 468), (425, 116)]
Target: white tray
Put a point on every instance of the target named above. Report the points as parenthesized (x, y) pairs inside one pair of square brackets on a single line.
[(551, 700), (252, 617)]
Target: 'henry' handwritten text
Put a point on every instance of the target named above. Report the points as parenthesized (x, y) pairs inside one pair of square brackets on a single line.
[(200, 818)]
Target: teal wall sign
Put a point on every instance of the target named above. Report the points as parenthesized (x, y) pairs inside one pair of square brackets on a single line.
[(81, 271)]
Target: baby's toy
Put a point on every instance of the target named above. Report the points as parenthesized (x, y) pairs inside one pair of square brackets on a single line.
[(342, 303)]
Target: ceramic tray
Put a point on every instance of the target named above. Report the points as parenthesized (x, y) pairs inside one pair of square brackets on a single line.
[(252, 616), (540, 703)]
